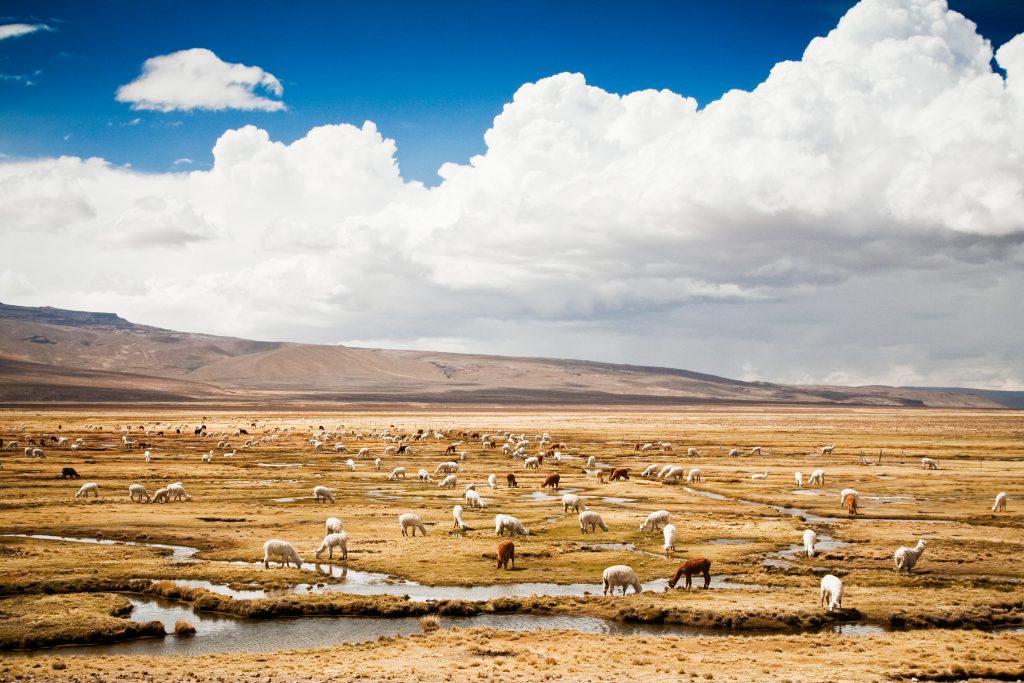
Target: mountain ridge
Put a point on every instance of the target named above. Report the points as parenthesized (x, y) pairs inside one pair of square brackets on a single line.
[(52, 354)]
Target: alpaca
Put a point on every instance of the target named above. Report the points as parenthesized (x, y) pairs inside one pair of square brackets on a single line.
[(696, 565)]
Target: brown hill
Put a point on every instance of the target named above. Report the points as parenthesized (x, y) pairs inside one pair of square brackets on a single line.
[(49, 354)]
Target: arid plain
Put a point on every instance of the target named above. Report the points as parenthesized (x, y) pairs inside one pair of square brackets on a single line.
[(958, 616)]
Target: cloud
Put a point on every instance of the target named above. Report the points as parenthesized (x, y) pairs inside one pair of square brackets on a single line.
[(16, 30), (199, 79), (858, 216)]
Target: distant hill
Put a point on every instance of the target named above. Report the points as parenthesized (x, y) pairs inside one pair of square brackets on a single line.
[(54, 355)]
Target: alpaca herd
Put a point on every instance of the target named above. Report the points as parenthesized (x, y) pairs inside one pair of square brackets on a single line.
[(509, 527)]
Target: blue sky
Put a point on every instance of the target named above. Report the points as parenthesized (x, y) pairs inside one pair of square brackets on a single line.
[(801, 191), (432, 75)]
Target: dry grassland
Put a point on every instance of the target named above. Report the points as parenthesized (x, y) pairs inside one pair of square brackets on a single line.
[(968, 576)]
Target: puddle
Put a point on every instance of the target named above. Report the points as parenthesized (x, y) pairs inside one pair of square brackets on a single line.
[(291, 500), (785, 559), (180, 553), (617, 501), (706, 494), (224, 633), (356, 582), (885, 476), (809, 492), (541, 495)]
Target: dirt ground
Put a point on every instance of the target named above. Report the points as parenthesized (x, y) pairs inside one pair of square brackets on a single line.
[(968, 576)]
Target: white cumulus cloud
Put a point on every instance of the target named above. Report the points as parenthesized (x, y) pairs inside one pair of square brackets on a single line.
[(199, 79), (858, 216)]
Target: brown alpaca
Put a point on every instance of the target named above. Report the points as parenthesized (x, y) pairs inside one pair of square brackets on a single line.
[(506, 554), (449, 450), (511, 479), (696, 565), (619, 473), (600, 476), (552, 481), (851, 503), (636, 447)]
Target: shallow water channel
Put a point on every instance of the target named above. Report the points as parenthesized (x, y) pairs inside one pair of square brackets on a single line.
[(225, 633)]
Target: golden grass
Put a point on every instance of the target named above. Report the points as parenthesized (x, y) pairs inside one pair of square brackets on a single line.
[(961, 580)]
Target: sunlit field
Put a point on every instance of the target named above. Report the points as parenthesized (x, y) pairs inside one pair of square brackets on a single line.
[(764, 592)]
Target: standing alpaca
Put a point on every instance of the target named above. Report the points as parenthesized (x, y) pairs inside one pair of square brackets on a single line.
[(832, 592), (906, 558), (620, 576), (1000, 504), (809, 538), (506, 554), (696, 565)]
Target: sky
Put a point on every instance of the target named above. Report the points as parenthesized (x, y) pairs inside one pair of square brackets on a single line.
[(801, 191)]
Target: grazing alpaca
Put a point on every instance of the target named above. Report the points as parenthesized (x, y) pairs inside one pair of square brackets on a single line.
[(832, 592), (1000, 504), (620, 575), (850, 501), (619, 473), (809, 538), (696, 565), (506, 554), (827, 450), (552, 481), (511, 480)]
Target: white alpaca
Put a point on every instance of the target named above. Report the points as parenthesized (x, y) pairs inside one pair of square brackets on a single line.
[(208, 457), (827, 450), (649, 471), (756, 450), (351, 465), (363, 453), (177, 491), (665, 446), (929, 464), (322, 494), (655, 520), (763, 475), (513, 526), (590, 520), (410, 523), (161, 496), (1000, 504), (474, 500), (424, 475), (647, 447), (333, 525), (492, 481), (831, 592), (332, 541), (148, 456), (377, 464), (817, 477), (397, 473), (447, 467), (531, 463), (573, 502), (734, 453), (675, 473), (620, 576), (282, 550), (86, 489), (664, 470), (848, 492), (809, 538), (138, 491), (457, 514), (906, 558), (591, 463), (448, 482), (670, 538), (799, 480), (692, 452), (693, 475), (340, 448)]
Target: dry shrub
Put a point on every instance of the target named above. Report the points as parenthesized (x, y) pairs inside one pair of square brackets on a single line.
[(184, 628), (429, 622)]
